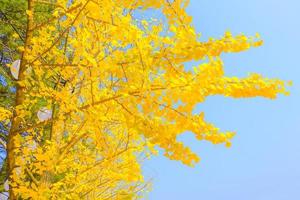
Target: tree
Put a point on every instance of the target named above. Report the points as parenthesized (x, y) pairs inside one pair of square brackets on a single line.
[(12, 33), (101, 85), (11, 36)]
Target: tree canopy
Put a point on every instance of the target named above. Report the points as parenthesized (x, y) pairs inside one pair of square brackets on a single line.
[(101, 84)]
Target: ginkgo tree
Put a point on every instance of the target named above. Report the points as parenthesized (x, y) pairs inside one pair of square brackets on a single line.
[(12, 33), (101, 85)]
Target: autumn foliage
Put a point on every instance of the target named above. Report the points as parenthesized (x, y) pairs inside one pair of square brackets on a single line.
[(112, 84)]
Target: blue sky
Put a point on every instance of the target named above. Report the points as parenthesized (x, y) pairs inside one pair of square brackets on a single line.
[(264, 160)]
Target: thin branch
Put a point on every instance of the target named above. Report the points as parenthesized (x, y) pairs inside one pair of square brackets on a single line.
[(15, 29), (31, 176)]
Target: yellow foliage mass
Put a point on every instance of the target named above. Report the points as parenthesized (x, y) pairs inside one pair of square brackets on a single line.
[(117, 86)]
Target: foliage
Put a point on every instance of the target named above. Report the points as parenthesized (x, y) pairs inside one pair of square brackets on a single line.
[(115, 83)]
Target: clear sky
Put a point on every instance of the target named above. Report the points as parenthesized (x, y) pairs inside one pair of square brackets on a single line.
[(264, 160)]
